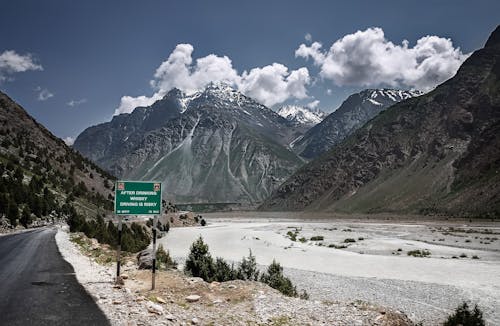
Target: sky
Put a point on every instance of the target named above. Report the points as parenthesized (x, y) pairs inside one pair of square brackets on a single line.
[(73, 64)]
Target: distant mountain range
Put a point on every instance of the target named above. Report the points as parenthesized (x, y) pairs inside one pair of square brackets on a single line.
[(354, 112), (216, 145), (435, 153), (301, 115)]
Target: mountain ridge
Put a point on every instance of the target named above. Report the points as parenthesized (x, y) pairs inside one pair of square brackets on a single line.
[(437, 153)]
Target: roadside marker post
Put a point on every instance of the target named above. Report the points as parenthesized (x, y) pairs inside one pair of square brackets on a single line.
[(155, 223), (119, 251), (137, 198)]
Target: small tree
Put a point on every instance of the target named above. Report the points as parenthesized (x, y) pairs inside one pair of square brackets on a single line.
[(223, 272), (25, 216), (247, 269), (274, 278), (164, 259), (199, 262), (465, 317)]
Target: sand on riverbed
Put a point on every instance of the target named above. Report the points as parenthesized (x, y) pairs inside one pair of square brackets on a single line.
[(379, 253)]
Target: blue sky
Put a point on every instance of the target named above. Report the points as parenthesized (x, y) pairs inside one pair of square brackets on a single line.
[(70, 63)]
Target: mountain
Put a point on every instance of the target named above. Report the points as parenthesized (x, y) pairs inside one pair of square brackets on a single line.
[(216, 145), (301, 115), (41, 176), (352, 114), (436, 153)]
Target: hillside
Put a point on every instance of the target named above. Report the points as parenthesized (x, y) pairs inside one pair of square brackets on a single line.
[(352, 114), (41, 177), (216, 145), (437, 153)]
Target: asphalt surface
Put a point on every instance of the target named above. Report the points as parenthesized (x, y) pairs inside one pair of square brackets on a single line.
[(38, 287)]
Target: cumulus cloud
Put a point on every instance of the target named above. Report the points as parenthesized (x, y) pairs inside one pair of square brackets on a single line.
[(12, 62), (74, 103), (69, 141), (308, 37), (269, 85), (367, 58), (43, 94), (129, 103), (313, 105)]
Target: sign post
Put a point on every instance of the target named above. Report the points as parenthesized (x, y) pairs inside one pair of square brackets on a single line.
[(137, 198)]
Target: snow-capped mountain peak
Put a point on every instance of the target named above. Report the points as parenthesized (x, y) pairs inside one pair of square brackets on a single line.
[(301, 115)]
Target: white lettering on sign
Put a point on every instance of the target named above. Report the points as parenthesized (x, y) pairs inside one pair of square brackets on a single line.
[(148, 193), (138, 198), (129, 204), (128, 192), (150, 204)]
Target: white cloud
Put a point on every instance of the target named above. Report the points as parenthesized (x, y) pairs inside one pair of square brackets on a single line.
[(11, 62), (74, 103), (312, 105), (367, 58), (43, 94), (308, 37), (274, 84), (129, 103), (269, 85), (69, 141)]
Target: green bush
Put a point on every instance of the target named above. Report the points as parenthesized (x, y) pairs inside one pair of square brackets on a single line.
[(274, 278), (163, 258), (247, 268), (419, 253), (223, 271), (466, 317), (199, 262)]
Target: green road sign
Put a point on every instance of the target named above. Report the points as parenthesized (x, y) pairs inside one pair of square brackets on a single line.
[(137, 198)]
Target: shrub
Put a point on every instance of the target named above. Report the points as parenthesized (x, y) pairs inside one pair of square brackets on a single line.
[(463, 255), (274, 278), (199, 262), (247, 269), (302, 239), (163, 258), (292, 235), (419, 253), (203, 222), (317, 238), (465, 317), (349, 240), (223, 272)]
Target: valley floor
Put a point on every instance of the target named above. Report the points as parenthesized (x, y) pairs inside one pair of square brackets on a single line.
[(463, 261)]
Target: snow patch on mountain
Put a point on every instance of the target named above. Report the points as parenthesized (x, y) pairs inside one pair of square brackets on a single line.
[(301, 115)]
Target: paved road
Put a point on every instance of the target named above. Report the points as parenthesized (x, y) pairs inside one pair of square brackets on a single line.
[(38, 287)]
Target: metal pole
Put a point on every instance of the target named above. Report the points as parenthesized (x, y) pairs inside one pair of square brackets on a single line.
[(118, 254), (155, 223)]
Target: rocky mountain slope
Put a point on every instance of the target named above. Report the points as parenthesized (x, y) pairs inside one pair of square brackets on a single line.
[(354, 112), (216, 145), (301, 115), (40, 175), (439, 152)]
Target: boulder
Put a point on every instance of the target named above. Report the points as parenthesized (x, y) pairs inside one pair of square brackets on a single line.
[(145, 259), (155, 308)]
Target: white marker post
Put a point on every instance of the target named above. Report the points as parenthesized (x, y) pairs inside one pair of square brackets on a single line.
[(155, 223)]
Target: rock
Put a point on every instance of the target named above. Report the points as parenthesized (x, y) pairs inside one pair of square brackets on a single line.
[(124, 276), (145, 259), (193, 298), (214, 284), (117, 302), (161, 300), (155, 308), (231, 286), (129, 263), (140, 298), (94, 244), (217, 301), (195, 280), (195, 321), (170, 317)]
